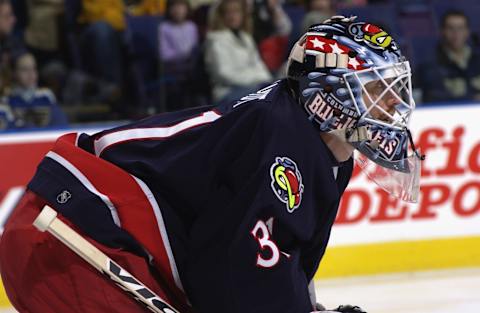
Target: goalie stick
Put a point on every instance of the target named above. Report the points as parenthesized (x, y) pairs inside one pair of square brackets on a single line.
[(47, 221)]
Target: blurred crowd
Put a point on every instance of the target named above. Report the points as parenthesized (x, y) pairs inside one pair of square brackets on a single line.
[(79, 61)]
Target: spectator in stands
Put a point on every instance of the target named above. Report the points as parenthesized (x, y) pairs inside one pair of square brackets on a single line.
[(355, 3), (109, 51), (454, 74), (317, 12), (271, 30), (43, 30), (102, 39), (231, 57), (148, 7), (269, 19), (7, 121), (32, 106), (9, 44), (45, 38), (178, 45)]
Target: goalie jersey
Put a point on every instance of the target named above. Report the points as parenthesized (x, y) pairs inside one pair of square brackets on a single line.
[(232, 205)]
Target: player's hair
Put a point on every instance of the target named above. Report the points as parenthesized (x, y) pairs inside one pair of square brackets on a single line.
[(218, 10), (4, 2), (333, 5), (171, 3), (17, 57), (450, 13)]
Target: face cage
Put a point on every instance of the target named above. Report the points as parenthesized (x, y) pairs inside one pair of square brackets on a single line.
[(400, 84), (400, 177)]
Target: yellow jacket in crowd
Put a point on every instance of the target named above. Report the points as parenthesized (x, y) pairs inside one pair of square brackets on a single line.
[(113, 11)]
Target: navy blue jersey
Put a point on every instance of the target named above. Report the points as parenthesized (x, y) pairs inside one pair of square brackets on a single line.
[(245, 196)]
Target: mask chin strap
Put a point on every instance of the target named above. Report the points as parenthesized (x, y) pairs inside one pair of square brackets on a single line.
[(412, 145)]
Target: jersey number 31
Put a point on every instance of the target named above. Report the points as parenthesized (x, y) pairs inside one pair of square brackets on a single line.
[(262, 234)]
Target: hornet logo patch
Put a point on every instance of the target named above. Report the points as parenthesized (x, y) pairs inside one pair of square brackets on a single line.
[(287, 182), (373, 35)]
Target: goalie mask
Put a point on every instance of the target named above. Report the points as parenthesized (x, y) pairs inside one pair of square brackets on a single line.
[(351, 78)]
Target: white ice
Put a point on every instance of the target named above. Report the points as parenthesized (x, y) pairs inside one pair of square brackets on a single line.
[(449, 291)]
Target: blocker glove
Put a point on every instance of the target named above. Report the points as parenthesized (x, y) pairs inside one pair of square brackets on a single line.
[(344, 309)]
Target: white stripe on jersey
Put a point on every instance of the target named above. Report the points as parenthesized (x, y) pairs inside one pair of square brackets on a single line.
[(106, 141), (162, 229), (76, 139), (85, 182)]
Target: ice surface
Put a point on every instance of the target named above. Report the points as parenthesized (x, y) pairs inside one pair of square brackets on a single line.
[(450, 291)]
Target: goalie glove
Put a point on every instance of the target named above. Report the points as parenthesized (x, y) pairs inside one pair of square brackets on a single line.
[(344, 309), (319, 307), (349, 309)]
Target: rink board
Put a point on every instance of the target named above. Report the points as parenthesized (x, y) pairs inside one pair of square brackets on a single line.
[(373, 232), (400, 256), (3, 298)]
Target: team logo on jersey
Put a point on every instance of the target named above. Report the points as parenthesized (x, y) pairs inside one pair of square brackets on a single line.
[(287, 182)]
